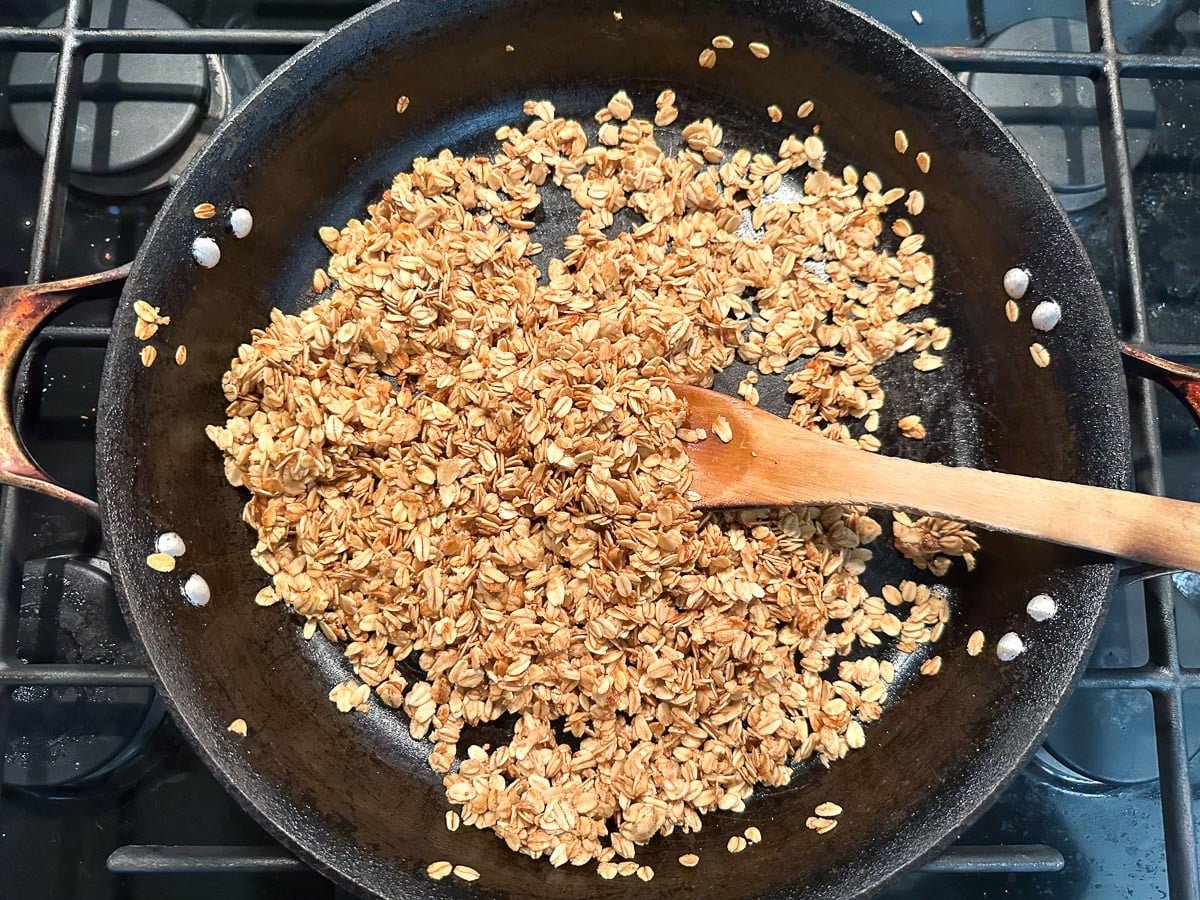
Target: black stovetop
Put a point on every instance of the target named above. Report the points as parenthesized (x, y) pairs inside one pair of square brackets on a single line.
[(102, 798)]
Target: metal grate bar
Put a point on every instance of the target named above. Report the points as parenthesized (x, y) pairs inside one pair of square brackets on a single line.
[(164, 859), (1179, 833), (72, 675)]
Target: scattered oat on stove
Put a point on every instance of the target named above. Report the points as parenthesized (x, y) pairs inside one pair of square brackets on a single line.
[(204, 211), (170, 543), (912, 427), (689, 860), (759, 49), (1012, 312), (1040, 355), (915, 204), (929, 542), (466, 873), (618, 15), (722, 429), (148, 355), (627, 868), (148, 320), (828, 810), (1042, 608), (775, 113), (931, 666), (241, 222), (161, 562), (453, 820), (310, 628), (927, 362), (820, 825), (645, 873), (180, 354), (206, 252), (439, 870), (804, 110), (461, 466), (1009, 647), (195, 591), (238, 726), (509, 48), (753, 835), (736, 844), (1016, 283), (607, 870), (923, 161), (1046, 315), (402, 103), (722, 42), (708, 58), (900, 139)]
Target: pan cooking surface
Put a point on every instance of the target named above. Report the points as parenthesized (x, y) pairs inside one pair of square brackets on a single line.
[(321, 139)]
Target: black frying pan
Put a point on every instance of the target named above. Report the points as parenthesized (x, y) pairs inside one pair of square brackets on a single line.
[(352, 794)]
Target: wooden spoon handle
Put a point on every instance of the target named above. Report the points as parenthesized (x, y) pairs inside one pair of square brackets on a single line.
[(1121, 523)]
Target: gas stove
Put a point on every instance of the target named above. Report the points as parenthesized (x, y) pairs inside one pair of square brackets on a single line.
[(102, 103)]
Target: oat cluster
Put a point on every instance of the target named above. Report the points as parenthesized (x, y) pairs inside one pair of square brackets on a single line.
[(470, 472)]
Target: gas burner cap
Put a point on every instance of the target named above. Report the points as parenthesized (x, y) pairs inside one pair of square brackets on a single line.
[(1054, 116), (134, 107)]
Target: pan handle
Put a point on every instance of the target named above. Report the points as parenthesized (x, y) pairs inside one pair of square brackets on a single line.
[(23, 311), (1182, 381)]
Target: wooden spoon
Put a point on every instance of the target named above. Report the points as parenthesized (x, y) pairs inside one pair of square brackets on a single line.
[(770, 462)]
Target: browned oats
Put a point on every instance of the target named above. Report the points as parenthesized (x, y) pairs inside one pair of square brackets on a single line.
[(471, 474), (161, 562), (148, 354), (820, 825), (722, 42), (466, 873), (975, 643), (402, 103), (911, 427), (721, 429), (708, 58), (774, 113), (929, 542), (923, 161), (204, 211), (931, 666)]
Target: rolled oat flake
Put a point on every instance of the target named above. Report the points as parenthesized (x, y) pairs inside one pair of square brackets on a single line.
[(196, 592), (1016, 283), (1009, 647)]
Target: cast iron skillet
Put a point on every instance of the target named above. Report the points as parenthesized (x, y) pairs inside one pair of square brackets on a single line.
[(351, 794)]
